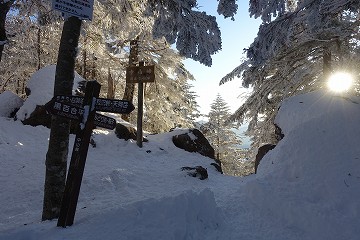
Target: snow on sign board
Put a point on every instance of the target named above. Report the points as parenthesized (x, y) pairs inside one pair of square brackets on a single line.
[(83, 9)]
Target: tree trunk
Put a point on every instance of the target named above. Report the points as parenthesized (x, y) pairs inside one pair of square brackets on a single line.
[(130, 87), (56, 157), (326, 63), (39, 48), (4, 9), (111, 86)]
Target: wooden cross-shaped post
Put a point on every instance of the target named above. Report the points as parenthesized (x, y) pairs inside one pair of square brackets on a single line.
[(83, 110), (78, 157)]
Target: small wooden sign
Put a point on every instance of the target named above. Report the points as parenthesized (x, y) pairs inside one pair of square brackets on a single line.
[(140, 74), (83, 9), (76, 113), (101, 104)]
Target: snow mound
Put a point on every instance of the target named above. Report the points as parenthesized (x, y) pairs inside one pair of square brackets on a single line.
[(314, 171), (41, 84), (306, 188), (8, 103), (189, 215)]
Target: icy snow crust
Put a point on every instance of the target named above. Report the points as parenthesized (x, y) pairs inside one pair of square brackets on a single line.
[(306, 188)]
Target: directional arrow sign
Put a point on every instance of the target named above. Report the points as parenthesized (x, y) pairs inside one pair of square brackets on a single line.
[(104, 121), (76, 113), (101, 104), (113, 105), (64, 110)]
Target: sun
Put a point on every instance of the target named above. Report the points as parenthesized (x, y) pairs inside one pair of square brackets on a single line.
[(340, 82)]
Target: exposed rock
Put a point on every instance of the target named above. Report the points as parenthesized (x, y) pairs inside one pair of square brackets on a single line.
[(126, 132), (261, 153), (197, 171), (194, 141), (217, 166), (278, 133), (38, 117)]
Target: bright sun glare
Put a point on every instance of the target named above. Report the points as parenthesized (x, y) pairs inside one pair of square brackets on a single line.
[(340, 82)]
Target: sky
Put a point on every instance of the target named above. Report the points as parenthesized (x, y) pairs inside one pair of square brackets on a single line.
[(306, 188), (236, 35)]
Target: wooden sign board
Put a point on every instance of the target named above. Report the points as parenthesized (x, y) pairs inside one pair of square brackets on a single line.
[(140, 74), (83, 9), (76, 113), (101, 104)]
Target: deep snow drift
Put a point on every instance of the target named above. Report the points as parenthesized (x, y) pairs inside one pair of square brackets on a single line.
[(306, 188)]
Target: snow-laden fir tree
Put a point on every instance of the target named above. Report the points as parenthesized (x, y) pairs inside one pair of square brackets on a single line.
[(221, 136), (103, 55), (33, 34), (298, 44)]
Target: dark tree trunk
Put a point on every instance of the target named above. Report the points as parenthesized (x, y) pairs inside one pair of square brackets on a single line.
[(130, 87), (111, 86), (56, 157), (39, 48), (4, 9), (326, 63)]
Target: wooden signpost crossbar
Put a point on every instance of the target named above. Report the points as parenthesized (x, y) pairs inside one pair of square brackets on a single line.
[(83, 110)]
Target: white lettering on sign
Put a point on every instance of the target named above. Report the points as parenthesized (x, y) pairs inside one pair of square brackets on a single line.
[(140, 74), (57, 106), (83, 9)]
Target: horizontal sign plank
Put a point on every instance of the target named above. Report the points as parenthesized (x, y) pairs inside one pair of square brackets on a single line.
[(101, 104), (76, 113), (138, 74), (83, 9)]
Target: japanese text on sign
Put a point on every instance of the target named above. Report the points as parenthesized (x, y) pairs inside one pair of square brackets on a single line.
[(140, 74), (110, 104), (83, 9), (68, 111)]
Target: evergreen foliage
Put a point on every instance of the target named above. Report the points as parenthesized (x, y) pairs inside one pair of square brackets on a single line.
[(103, 54), (221, 136), (298, 44)]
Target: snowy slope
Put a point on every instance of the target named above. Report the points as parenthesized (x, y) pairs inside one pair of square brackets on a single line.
[(306, 188)]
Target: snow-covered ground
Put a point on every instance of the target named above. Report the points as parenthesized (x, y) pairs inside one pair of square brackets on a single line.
[(307, 188)]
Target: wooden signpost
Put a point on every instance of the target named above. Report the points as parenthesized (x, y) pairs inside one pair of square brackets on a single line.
[(83, 110), (140, 74)]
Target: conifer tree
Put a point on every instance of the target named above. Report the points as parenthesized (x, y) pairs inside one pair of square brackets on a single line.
[(220, 134), (291, 54)]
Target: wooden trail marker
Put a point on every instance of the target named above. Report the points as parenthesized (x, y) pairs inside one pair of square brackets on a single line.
[(140, 74), (78, 157), (83, 110)]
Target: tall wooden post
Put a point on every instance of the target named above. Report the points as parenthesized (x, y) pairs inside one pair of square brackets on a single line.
[(78, 157), (140, 75), (139, 131)]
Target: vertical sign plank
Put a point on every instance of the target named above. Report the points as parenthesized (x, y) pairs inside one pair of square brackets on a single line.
[(78, 157)]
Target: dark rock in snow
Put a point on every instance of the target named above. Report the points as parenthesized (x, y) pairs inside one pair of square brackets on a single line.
[(194, 141), (217, 166), (197, 171), (126, 132), (38, 117), (261, 153)]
